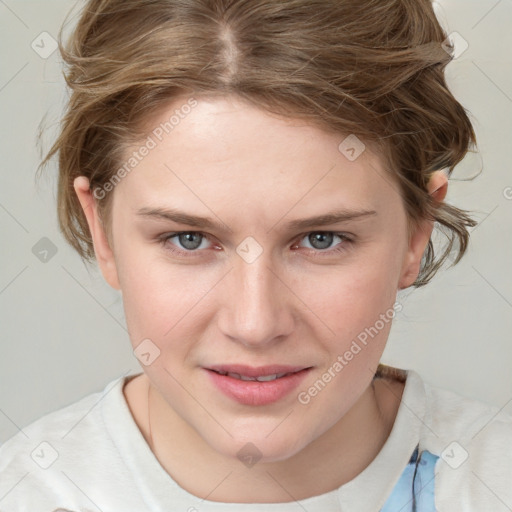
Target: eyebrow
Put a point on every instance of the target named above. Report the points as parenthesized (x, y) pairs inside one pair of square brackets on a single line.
[(333, 217)]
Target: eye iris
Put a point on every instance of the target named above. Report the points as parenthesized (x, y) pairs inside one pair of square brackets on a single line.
[(324, 238), (184, 239)]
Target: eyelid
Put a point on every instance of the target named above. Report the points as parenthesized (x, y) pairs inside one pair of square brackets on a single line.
[(167, 236), (347, 238)]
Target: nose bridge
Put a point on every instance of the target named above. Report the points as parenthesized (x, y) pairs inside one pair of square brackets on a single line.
[(256, 308)]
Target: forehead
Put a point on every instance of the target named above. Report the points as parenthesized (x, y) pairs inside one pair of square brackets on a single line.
[(228, 150)]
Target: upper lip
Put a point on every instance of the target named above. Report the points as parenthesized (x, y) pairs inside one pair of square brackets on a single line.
[(256, 371)]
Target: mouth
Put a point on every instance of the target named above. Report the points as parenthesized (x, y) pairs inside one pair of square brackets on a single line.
[(260, 373), (259, 378), (257, 385)]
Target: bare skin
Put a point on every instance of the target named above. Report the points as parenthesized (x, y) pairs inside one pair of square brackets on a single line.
[(387, 395), (296, 304)]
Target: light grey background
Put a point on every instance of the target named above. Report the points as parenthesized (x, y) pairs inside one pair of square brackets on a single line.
[(63, 333)]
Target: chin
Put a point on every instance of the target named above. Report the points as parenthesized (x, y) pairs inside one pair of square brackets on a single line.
[(257, 446)]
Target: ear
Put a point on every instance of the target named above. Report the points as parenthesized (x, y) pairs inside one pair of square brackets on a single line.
[(437, 188), (102, 250)]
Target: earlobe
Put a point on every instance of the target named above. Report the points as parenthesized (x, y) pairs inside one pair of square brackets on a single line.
[(412, 262), (102, 249)]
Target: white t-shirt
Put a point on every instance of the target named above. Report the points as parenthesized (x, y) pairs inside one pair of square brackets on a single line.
[(90, 456)]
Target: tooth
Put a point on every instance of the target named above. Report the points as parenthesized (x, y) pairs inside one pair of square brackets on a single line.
[(266, 378), (262, 378), (240, 377)]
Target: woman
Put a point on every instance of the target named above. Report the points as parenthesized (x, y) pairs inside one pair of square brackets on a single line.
[(259, 179)]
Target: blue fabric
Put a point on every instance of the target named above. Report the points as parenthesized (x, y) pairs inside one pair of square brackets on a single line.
[(418, 476)]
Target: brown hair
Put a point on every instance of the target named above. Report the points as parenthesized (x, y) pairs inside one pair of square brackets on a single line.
[(372, 69)]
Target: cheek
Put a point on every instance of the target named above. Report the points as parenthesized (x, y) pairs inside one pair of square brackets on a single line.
[(149, 300), (358, 309), (350, 298), (162, 299)]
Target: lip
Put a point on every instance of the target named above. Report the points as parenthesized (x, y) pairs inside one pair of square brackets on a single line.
[(255, 392)]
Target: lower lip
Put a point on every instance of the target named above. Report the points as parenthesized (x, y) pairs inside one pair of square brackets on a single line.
[(254, 392)]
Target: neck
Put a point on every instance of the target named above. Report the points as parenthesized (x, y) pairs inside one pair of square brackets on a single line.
[(317, 469)]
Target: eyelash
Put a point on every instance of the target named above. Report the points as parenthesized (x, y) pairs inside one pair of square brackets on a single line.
[(163, 239)]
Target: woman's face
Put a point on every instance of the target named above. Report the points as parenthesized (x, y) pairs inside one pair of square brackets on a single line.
[(253, 286)]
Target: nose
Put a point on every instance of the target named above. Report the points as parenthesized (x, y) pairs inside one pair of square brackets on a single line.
[(257, 306)]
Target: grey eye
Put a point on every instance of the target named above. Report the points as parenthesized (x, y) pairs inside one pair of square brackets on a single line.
[(321, 240), (187, 240)]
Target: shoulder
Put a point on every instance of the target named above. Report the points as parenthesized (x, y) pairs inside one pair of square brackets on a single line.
[(41, 463), (452, 415), (473, 443)]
